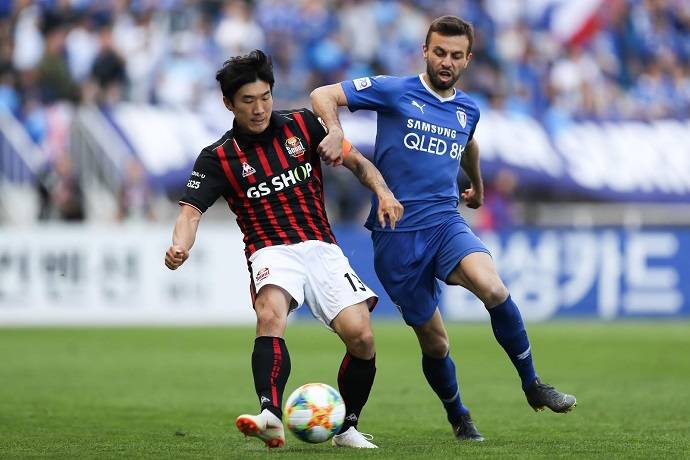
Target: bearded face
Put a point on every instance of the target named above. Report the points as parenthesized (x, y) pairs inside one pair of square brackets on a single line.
[(446, 58)]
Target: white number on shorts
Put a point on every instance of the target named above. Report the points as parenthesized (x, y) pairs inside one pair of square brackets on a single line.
[(349, 277)]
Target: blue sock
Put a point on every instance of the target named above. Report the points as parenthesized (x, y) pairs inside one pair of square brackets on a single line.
[(510, 332), (440, 373)]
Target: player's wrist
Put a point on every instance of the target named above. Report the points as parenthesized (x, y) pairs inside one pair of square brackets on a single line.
[(337, 131)]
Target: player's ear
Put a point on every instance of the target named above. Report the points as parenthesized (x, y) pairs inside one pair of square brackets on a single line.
[(228, 103), (469, 58)]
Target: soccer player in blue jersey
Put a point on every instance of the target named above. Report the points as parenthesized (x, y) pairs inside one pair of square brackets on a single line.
[(425, 133)]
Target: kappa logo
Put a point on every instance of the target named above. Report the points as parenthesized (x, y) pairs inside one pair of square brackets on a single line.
[(462, 117), (420, 107), (294, 146), (264, 399), (262, 274), (351, 418), (247, 169), (362, 83)]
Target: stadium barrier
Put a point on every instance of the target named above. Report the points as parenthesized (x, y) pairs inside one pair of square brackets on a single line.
[(629, 161), (115, 275)]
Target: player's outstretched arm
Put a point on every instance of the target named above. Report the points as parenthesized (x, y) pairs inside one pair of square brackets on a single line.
[(325, 102), (390, 208), (184, 235), (473, 196)]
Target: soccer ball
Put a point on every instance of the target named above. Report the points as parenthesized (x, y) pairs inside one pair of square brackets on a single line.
[(314, 412)]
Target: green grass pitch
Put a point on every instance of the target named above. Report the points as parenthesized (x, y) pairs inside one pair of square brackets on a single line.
[(175, 392)]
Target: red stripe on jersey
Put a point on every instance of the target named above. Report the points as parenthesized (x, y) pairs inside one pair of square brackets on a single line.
[(275, 371), (320, 208), (316, 161), (243, 159), (249, 248), (303, 205), (228, 172), (302, 126), (317, 170), (281, 154), (272, 219), (283, 200), (264, 201), (241, 196), (291, 217), (264, 160), (302, 202)]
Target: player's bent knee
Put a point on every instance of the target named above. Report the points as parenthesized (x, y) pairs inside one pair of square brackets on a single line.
[(270, 320), (437, 348), (494, 295)]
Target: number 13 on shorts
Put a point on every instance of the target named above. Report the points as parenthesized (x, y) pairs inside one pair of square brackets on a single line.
[(355, 282)]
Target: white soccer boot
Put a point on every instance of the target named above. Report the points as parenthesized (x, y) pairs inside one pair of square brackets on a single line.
[(353, 438), (265, 426)]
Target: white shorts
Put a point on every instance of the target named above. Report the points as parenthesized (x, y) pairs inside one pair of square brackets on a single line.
[(312, 272)]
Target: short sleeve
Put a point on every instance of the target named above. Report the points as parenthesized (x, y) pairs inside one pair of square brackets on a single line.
[(206, 183), (474, 125), (315, 127), (372, 93)]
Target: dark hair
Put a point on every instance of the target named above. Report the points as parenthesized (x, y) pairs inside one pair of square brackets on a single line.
[(451, 26), (240, 70)]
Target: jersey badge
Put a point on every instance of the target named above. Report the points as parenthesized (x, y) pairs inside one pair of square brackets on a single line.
[(294, 146), (247, 169), (462, 117), (361, 83)]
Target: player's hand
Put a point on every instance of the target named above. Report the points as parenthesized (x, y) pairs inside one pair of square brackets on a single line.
[(472, 198), (331, 148), (389, 209), (175, 256)]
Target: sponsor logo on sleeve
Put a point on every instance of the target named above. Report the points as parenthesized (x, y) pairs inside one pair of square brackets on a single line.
[(193, 182), (362, 83)]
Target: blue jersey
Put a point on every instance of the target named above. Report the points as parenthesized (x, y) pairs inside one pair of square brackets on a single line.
[(420, 138)]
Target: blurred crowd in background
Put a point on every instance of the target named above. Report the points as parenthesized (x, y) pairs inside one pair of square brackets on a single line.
[(633, 62)]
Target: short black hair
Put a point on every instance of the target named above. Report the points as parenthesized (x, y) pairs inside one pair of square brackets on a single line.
[(449, 26), (240, 70)]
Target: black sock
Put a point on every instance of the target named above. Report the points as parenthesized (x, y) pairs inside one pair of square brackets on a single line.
[(355, 379), (271, 369)]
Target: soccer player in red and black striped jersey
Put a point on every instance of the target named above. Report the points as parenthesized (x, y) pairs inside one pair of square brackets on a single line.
[(268, 170)]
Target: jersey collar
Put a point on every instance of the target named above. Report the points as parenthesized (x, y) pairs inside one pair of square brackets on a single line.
[(434, 93), (277, 120)]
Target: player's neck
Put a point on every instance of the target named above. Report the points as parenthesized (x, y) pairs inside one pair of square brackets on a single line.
[(442, 93)]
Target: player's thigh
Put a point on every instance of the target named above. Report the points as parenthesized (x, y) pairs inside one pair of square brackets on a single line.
[(332, 285), (477, 272), (457, 241), (404, 263)]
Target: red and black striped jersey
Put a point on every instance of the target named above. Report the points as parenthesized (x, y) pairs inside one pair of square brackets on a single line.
[(272, 181)]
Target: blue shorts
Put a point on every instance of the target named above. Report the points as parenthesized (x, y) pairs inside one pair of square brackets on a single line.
[(410, 265)]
